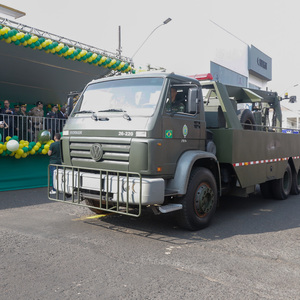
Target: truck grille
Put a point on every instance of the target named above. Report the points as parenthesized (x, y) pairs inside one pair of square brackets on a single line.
[(114, 150)]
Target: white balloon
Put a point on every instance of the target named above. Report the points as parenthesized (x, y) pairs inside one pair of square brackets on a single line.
[(12, 145)]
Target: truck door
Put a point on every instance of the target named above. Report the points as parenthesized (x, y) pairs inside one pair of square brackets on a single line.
[(181, 130)]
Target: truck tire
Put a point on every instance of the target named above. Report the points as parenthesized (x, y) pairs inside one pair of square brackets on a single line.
[(295, 189), (199, 202), (93, 202), (246, 118), (282, 186)]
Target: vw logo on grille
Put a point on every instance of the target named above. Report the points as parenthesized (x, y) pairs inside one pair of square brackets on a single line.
[(96, 152)]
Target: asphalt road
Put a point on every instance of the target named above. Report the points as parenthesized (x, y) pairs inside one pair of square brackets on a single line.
[(50, 250)]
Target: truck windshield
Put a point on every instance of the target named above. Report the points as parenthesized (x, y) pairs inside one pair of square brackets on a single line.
[(135, 96)]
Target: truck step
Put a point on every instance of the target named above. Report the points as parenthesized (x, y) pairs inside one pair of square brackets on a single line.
[(170, 207)]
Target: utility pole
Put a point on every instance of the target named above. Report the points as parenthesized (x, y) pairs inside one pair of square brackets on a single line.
[(119, 50)]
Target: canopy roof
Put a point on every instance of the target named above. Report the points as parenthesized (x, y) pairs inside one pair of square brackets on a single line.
[(36, 65)]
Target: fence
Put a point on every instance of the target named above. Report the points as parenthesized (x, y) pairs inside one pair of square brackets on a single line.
[(28, 127)]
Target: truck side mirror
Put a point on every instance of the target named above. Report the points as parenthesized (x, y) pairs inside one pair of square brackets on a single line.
[(192, 101), (70, 101), (70, 105)]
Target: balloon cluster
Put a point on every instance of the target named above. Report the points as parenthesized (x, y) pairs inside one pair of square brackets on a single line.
[(49, 46), (12, 147)]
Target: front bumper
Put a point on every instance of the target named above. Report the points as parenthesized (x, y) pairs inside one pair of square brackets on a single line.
[(122, 188)]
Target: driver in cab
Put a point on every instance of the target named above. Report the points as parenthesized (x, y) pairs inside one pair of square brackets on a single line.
[(175, 105)]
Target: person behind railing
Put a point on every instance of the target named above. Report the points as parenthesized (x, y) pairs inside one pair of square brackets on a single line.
[(17, 120), (63, 111), (53, 122), (37, 114), (24, 125), (8, 118), (55, 158), (3, 126)]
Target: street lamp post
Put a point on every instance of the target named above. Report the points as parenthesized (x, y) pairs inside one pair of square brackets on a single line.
[(164, 23)]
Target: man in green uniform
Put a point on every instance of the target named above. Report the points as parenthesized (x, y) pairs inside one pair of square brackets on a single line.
[(55, 158), (17, 121), (173, 104)]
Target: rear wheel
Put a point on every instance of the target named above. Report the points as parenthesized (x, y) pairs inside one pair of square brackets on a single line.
[(282, 186), (200, 200), (295, 189)]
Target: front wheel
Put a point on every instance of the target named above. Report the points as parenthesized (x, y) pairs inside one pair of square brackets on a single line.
[(200, 201)]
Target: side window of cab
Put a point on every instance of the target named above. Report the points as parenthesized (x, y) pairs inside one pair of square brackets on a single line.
[(177, 99)]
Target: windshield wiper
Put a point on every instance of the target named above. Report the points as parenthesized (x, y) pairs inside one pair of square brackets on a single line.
[(112, 110), (127, 117), (84, 112)]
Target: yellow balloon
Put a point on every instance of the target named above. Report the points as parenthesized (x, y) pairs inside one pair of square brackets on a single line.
[(8, 138), (8, 41), (1, 146), (83, 53), (17, 156), (20, 152), (6, 29), (34, 39), (44, 151), (38, 144), (24, 155), (14, 38), (36, 148), (1, 151), (32, 151), (46, 147), (29, 42), (4, 147), (103, 59)]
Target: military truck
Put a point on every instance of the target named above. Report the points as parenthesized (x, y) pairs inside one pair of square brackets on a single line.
[(173, 144)]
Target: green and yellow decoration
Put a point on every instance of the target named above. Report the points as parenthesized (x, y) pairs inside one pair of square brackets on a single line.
[(19, 38), (12, 146)]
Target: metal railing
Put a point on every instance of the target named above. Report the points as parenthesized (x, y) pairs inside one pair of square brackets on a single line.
[(28, 127), (115, 192)]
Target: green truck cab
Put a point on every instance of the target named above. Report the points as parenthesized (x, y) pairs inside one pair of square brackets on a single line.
[(173, 144)]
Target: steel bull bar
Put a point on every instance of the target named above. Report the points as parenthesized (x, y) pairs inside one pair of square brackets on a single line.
[(105, 190)]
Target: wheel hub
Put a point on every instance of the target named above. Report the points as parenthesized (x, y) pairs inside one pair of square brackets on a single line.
[(204, 200)]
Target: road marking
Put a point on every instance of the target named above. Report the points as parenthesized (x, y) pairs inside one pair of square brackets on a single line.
[(91, 217)]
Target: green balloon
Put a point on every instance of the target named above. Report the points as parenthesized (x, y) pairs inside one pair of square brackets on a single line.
[(44, 136)]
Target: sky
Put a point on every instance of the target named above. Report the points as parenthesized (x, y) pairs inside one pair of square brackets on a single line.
[(179, 46)]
